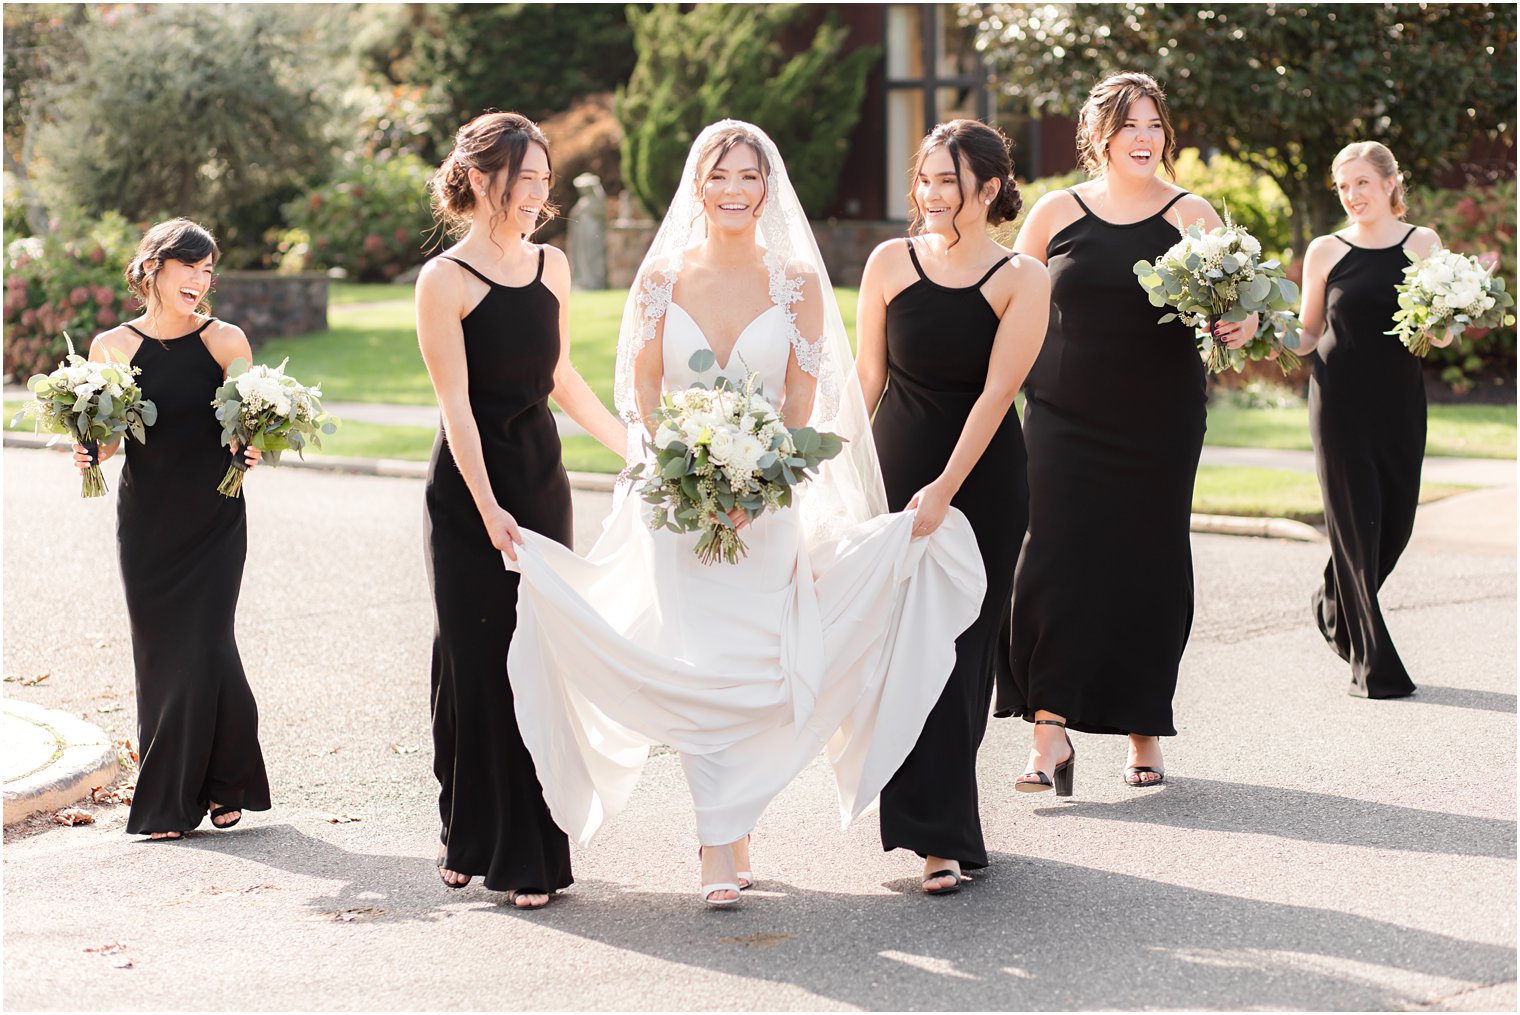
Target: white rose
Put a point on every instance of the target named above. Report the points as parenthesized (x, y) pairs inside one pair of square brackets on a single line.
[(1436, 274), (1463, 293), (722, 446), (665, 436), (1250, 244)]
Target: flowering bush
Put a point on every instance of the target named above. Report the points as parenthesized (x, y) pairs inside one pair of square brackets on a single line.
[(1473, 220), (371, 219), (55, 284)]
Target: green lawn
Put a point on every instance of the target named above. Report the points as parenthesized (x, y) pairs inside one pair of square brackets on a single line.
[(1460, 431), (339, 293), (1275, 493)]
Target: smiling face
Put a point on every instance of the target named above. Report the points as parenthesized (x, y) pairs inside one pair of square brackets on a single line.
[(1135, 149), (1364, 192), (733, 192), (522, 205), (947, 206), (183, 286)]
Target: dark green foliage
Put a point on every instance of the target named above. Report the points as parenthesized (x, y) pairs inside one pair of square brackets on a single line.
[(1282, 87), (534, 59), (370, 219), (214, 113), (68, 281), (724, 60)]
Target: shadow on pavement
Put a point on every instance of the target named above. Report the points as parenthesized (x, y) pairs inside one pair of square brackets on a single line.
[(1462, 697), (1109, 941), (1310, 817)]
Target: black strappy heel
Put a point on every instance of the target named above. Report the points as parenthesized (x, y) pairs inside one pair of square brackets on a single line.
[(1063, 779), (219, 811)]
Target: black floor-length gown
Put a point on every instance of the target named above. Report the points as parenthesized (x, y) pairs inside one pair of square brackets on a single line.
[(939, 340), (1367, 419), (1114, 422), (495, 821), (182, 547)]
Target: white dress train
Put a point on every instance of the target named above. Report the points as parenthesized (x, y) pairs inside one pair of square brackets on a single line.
[(748, 670)]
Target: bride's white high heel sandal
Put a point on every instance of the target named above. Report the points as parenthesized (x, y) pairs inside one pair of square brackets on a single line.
[(706, 892)]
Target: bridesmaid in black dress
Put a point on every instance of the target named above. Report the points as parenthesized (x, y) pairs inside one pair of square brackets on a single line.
[(492, 318), (1103, 598), (1366, 411), (949, 323), (182, 546)]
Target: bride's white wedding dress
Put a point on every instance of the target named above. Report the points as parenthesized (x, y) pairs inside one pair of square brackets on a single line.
[(748, 670)]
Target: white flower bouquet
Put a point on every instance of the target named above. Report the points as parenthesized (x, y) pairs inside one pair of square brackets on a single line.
[(1447, 292), (721, 448), (92, 403), (263, 407), (1217, 275)]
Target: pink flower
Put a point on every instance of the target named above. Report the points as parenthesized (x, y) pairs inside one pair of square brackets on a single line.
[(97, 255), (80, 296), (104, 295), (105, 318), (373, 244), (402, 235), (28, 318), (14, 301)]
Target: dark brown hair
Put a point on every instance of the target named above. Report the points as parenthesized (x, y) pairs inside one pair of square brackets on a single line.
[(719, 145), (1104, 113), (986, 153), (175, 240), (495, 144)]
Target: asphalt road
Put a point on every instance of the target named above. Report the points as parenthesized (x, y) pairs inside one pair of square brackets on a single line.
[(1310, 850)]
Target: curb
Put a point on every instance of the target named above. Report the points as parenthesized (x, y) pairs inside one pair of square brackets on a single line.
[(83, 758), (403, 468), (1265, 528), (1227, 525)]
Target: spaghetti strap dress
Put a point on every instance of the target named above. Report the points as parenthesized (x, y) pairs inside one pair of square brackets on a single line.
[(939, 341), (495, 821), (182, 546), (1114, 423), (1367, 420)]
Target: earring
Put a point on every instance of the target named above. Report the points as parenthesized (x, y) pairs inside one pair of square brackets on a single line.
[(987, 202)]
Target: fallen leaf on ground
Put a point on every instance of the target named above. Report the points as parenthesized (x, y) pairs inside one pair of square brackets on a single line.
[(110, 949), (34, 681), (126, 752), (340, 819), (121, 794), (403, 749), (350, 915), (73, 816), (105, 709)]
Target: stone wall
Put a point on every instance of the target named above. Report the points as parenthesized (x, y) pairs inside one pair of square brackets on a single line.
[(269, 305), (845, 245)]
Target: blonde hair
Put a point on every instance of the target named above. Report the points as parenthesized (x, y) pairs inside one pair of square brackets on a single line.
[(1381, 159), (1103, 116)]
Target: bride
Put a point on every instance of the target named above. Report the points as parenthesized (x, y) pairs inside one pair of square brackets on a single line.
[(836, 630)]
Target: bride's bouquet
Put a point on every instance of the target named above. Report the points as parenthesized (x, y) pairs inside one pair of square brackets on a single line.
[(263, 407), (721, 448), (1447, 292), (1219, 275), (92, 403)]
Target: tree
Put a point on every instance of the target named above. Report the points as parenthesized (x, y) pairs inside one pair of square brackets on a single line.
[(725, 60), (216, 113), (38, 37), (532, 58), (1282, 87)]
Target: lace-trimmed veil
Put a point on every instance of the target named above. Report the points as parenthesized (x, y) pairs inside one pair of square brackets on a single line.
[(849, 488)]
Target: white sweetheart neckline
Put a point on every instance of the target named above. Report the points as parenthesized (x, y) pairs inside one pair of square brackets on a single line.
[(723, 367)]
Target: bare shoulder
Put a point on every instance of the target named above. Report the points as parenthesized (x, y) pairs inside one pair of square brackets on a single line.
[(889, 252), (1423, 240), (1022, 277), (118, 339), (1194, 207), (556, 270), (221, 336)]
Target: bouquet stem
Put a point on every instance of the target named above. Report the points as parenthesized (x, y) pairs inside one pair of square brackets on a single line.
[(232, 483), (94, 481), (1288, 361)]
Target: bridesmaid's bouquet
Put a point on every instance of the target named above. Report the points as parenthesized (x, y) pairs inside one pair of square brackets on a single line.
[(1219, 275), (92, 403), (265, 408), (1447, 292), (721, 448)]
